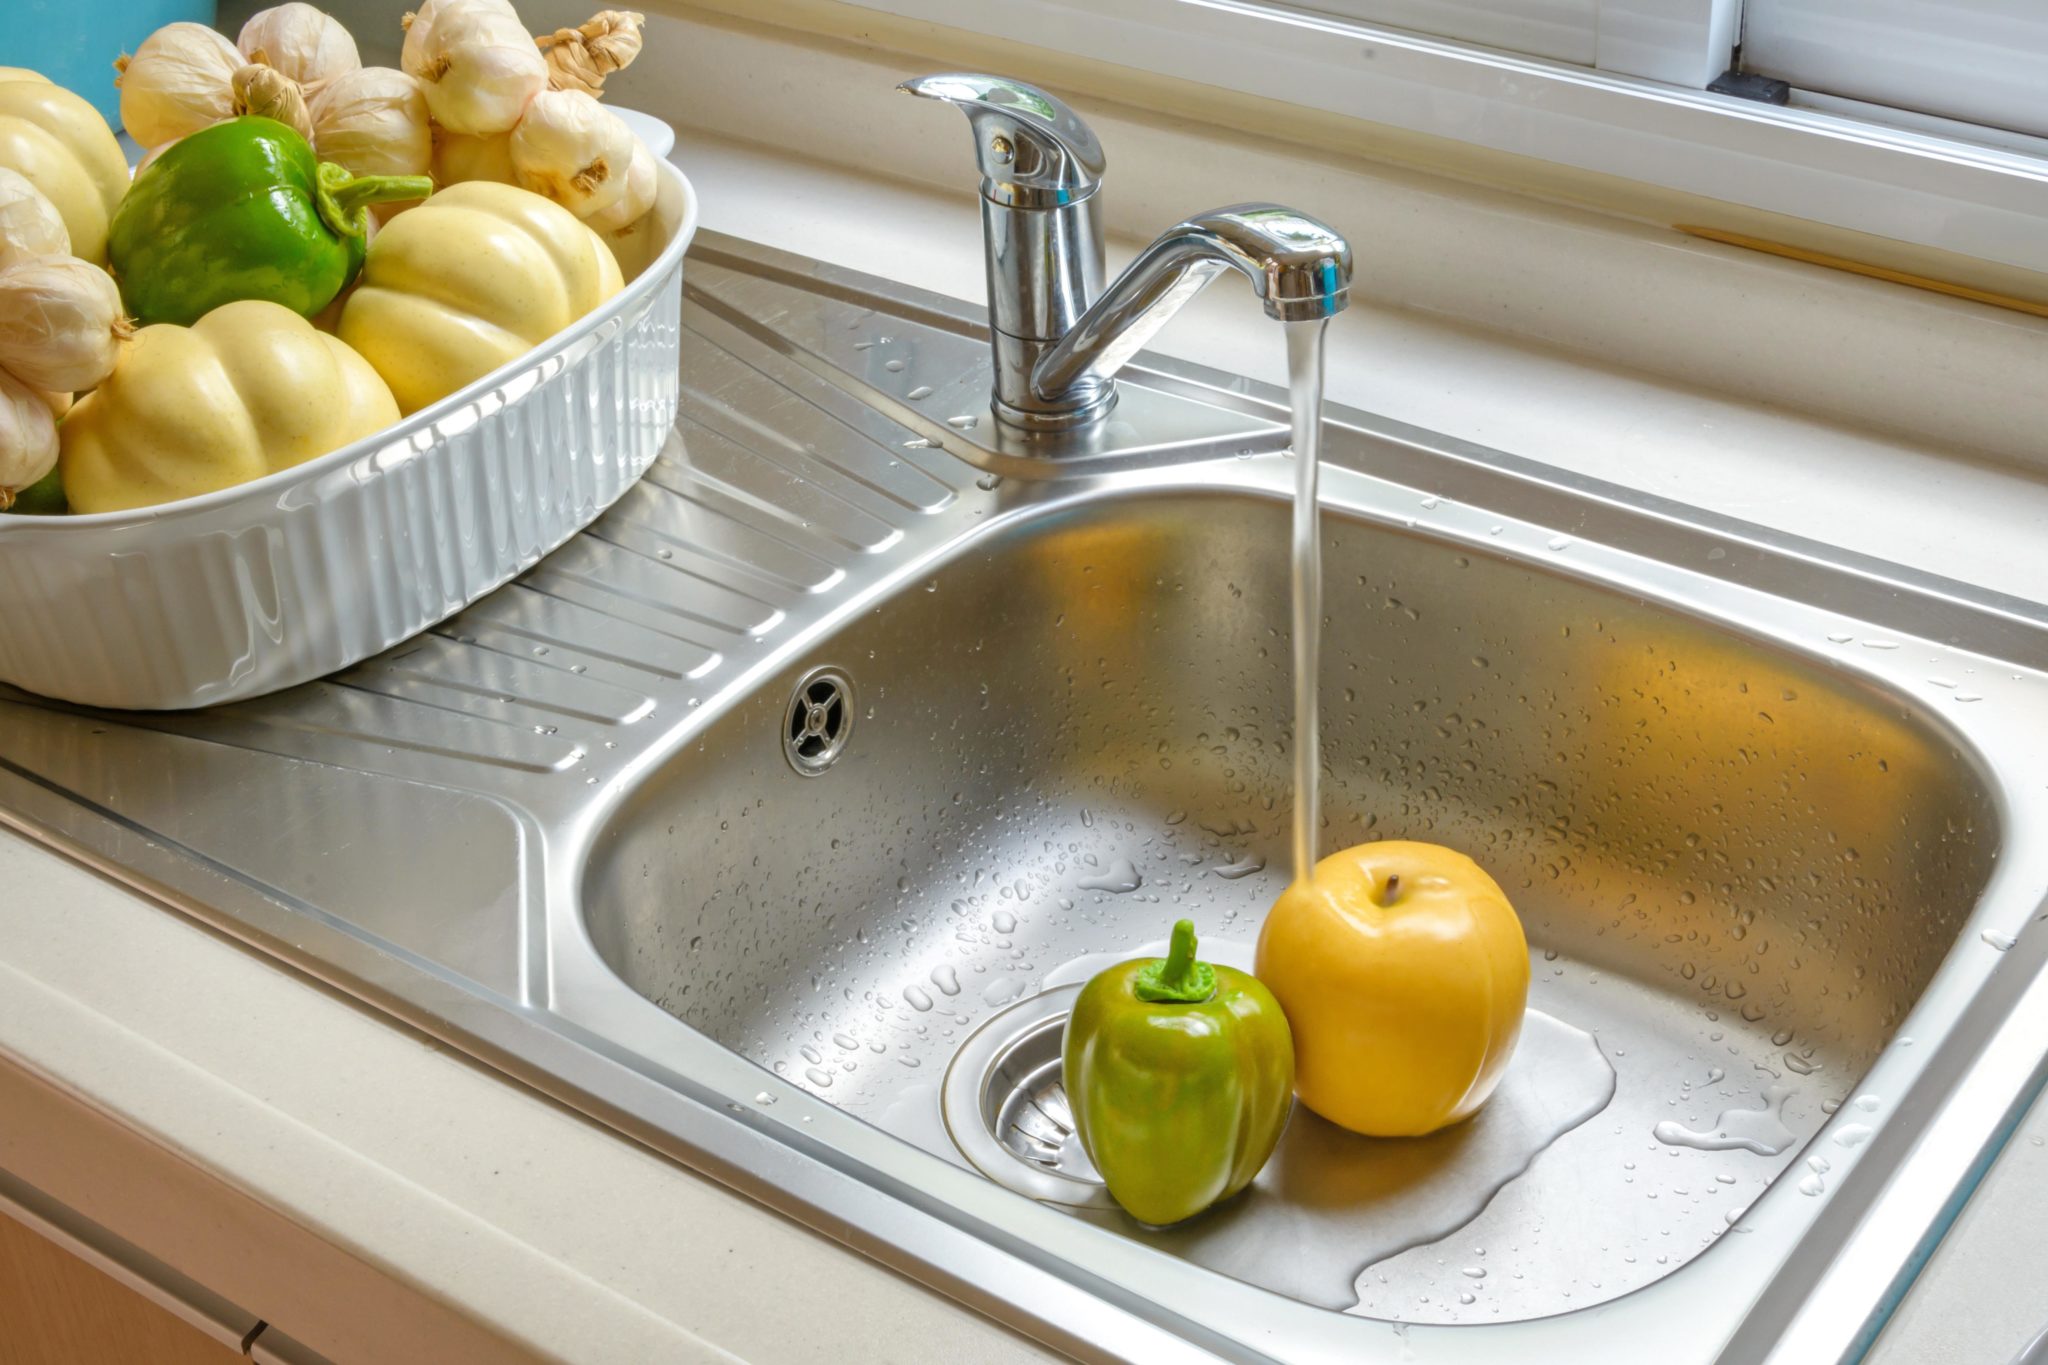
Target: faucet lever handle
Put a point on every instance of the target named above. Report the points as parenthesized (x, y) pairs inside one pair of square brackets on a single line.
[(1033, 150)]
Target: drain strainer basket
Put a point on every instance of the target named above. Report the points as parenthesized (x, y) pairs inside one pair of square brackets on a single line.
[(1006, 1106), (819, 721)]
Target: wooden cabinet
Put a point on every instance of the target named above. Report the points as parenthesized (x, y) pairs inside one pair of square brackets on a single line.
[(57, 1310)]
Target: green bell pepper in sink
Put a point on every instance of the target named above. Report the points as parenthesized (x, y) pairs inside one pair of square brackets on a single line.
[(1180, 1075), (244, 209)]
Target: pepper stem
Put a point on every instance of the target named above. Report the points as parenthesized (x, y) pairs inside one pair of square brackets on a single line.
[(344, 199), (1179, 979)]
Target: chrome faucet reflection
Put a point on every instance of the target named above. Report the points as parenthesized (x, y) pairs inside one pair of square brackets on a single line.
[(1058, 336)]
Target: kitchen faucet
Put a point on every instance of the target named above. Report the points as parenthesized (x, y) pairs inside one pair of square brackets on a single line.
[(1059, 337)]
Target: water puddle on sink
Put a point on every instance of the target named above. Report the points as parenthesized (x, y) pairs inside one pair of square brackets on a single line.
[(1750, 1129), (1330, 1205)]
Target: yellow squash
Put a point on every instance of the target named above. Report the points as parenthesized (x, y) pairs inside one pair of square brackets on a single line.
[(472, 279), (1404, 972), (65, 149), (249, 389), (459, 157)]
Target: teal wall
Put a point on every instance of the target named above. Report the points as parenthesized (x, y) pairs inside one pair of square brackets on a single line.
[(74, 42)]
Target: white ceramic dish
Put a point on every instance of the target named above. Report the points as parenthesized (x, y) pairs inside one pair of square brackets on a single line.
[(277, 582)]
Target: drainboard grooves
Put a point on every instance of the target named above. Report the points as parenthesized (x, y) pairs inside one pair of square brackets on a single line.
[(683, 556), (698, 520), (523, 684), (810, 508), (456, 702), (329, 722), (648, 603), (832, 399), (777, 424), (555, 591), (665, 583), (526, 614)]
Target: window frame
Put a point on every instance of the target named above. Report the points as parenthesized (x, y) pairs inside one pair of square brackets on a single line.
[(1982, 199)]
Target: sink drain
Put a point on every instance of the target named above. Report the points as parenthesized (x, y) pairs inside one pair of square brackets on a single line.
[(1006, 1107), (820, 721)]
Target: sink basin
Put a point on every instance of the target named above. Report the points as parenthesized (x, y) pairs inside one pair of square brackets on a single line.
[(773, 820), (1739, 867)]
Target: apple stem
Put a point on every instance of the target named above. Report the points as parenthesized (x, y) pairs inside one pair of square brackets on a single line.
[(1393, 888)]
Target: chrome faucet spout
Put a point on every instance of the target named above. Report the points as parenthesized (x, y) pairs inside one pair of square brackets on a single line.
[(1299, 268), (1057, 337)]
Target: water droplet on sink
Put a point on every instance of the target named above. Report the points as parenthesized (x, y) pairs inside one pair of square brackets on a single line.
[(1812, 1184), (1243, 867), (1853, 1135), (1003, 922), (1003, 990), (946, 979), (818, 1076), (1804, 1066), (919, 443), (1840, 639), (989, 483), (921, 391), (893, 366), (966, 421), (1880, 644), (1474, 1272), (1120, 877), (1560, 542), (2002, 942), (764, 1098), (920, 1000)]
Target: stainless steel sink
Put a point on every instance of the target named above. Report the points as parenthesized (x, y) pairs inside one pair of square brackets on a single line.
[(817, 768)]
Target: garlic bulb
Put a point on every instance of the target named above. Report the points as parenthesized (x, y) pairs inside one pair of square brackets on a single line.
[(179, 81), (580, 58), (61, 325), (28, 438), (264, 90), (373, 120), (573, 150), (476, 61), (459, 157), (634, 200), (300, 42), (29, 223)]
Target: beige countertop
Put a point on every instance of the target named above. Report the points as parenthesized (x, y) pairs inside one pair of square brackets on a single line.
[(378, 1197)]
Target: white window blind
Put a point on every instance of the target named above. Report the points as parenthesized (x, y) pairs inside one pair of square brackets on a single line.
[(1980, 61), (1682, 42), (1562, 30)]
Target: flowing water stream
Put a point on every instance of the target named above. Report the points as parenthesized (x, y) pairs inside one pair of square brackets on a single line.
[(1305, 385)]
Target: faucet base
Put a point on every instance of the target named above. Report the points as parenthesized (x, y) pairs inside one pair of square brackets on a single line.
[(1046, 420)]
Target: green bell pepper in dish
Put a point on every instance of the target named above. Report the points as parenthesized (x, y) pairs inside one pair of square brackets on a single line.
[(243, 209), (1180, 1075), (43, 498)]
